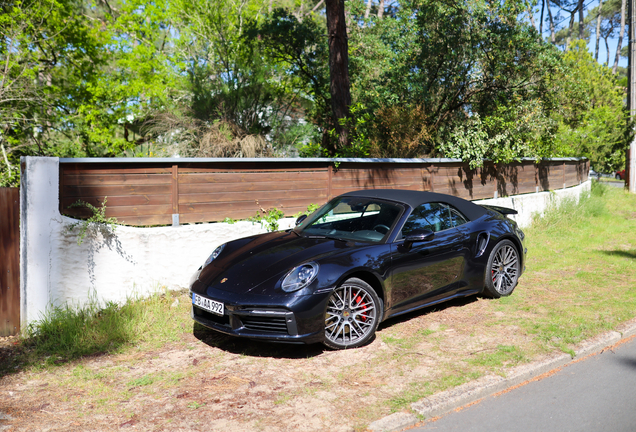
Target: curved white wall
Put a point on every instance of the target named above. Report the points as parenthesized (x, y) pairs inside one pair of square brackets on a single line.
[(130, 261)]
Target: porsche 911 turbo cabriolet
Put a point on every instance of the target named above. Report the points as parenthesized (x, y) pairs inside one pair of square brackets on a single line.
[(360, 259)]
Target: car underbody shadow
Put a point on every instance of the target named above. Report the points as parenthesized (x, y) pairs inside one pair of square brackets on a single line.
[(458, 302), (238, 345)]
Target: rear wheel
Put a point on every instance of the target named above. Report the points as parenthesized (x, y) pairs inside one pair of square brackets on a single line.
[(353, 313), (502, 271)]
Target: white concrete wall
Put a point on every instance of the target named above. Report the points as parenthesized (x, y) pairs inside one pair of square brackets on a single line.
[(39, 218), (111, 266), (528, 205)]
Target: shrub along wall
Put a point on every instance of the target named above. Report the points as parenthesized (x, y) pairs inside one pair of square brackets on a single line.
[(144, 192)]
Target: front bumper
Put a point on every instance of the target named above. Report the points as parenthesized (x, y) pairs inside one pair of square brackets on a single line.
[(300, 320)]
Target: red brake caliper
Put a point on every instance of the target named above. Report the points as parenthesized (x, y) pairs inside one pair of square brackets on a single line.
[(364, 306)]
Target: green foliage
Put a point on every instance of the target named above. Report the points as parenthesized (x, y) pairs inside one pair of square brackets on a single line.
[(98, 218), (471, 143), (229, 220), (357, 124), (593, 121), (85, 71), (495, 85), (251, 78), (310, 209), (268, 217)]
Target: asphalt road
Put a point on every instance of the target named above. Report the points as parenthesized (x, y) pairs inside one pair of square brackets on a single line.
[(596, 393)]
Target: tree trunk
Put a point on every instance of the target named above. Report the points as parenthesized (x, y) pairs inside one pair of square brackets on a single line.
[(531, 17), (368, 11), (552, 33), (620, 37), (381, 9), (607, 49), (338, 66), (541, 21), (598, 29), (581, 27), (570, 28)]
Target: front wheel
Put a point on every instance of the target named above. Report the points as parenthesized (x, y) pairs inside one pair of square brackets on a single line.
[(502, 270), (353, 313)]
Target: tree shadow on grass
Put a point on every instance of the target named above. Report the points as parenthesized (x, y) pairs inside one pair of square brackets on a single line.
[(621, 253)]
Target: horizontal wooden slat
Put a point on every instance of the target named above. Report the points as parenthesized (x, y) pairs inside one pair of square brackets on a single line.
[(256, 187), (250, 196), (108, 190), (115, 201), (231, 168), (230, 207), (126, 210), (101, 169), (238, 214), (246, 177), (372, 174), (414, 185), (115, 179), (340, 191)]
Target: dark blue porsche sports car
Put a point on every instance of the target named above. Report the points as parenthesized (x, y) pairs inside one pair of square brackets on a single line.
[(360, 259)]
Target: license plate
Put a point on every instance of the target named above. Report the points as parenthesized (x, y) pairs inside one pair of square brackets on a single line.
[(209, 305)]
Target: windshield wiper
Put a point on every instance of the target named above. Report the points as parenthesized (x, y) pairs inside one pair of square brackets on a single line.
[(322, 236)]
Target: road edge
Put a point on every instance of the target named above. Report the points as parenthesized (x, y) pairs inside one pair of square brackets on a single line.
[(472, 392)]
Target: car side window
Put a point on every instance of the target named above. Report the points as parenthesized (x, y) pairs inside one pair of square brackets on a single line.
[(432, 216), (456, 217)]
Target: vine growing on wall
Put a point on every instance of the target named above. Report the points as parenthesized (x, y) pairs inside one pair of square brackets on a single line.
[(98, 219)]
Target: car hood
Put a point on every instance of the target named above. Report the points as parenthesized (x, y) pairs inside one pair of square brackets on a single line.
[(255, 264)]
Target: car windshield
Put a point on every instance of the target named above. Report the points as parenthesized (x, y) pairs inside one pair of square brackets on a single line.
[(352, 218)]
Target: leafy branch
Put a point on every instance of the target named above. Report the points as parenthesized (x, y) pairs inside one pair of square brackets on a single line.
[(98, 218)]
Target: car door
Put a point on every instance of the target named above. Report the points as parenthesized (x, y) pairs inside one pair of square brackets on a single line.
[(426, 270)]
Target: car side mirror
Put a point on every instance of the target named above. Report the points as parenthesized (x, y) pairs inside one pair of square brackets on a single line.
[(301, 219), (418, 235)]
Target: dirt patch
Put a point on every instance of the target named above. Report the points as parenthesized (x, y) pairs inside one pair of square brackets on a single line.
[(212, 382)]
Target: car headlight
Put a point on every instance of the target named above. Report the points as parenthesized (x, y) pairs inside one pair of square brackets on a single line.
[(300, 277), (214, 254)]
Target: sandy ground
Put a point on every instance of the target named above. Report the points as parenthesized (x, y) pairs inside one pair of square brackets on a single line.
[(213, 382)]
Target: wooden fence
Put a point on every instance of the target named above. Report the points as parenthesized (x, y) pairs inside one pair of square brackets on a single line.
[(145, 192), (10, 261)]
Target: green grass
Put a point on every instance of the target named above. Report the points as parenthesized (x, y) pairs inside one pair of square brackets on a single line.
[(414, 392), (581, 267), (68, 333), (143, 381), (504, 355)]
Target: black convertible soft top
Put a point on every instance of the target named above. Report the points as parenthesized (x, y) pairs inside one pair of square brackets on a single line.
[(415, 198)]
